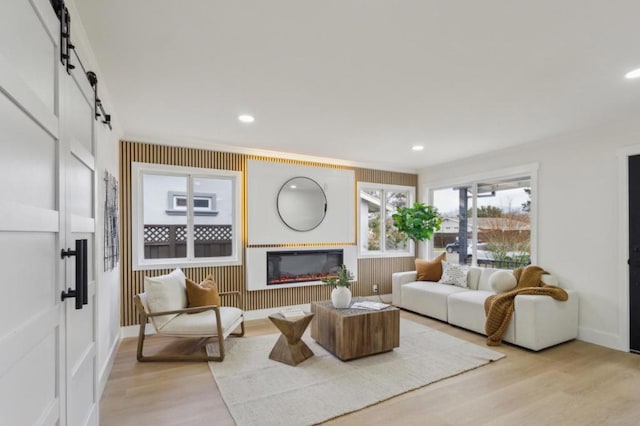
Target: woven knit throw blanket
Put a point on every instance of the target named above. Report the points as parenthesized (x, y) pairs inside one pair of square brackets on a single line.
[(499, 307)]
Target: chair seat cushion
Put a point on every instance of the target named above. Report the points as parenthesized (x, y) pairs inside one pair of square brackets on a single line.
[(203, 324)]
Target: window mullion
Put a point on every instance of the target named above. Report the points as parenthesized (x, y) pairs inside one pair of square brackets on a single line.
[(190, 220), (474, 224), (383, 221)]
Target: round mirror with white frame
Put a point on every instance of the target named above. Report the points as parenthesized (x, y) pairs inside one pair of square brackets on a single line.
[(302, 204)]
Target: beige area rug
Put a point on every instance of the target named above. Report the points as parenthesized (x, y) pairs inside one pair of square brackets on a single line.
[(259, 391)]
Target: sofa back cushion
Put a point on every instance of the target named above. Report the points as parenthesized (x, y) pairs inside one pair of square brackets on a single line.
[(478, 278), (473, 276), (483, 282)]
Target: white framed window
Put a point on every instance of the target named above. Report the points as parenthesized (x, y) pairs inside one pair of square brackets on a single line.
[(377, 236), (185, 216), (489, 219)]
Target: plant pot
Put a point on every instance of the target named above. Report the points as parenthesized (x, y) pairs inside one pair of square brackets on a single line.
[(341, 297)]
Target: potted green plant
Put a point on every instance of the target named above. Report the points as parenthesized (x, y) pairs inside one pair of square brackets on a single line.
[(341, 295), (419, 222)]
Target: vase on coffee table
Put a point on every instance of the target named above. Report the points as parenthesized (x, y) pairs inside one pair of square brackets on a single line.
[(341, 297), (340, 280)]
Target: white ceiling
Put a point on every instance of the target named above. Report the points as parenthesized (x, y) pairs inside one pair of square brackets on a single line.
[(365, 80)]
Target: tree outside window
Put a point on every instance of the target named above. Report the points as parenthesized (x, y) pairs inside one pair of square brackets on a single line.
[(377, 204)]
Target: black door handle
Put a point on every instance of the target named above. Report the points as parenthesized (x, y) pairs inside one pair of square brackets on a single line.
[(80, 293)]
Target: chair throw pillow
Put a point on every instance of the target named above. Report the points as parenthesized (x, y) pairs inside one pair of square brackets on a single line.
[(165, 293), (430, 270), (203, 294), (454, 274), (502, 281)]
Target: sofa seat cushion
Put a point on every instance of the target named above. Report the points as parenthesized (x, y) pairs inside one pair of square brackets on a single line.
[(467, 310), (429, 298), (203, 324)]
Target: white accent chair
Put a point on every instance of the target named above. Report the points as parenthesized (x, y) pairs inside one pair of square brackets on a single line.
[(164, 304)]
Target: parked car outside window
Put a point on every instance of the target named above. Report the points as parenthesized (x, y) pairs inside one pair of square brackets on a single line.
[(485, 256), (454, 247)]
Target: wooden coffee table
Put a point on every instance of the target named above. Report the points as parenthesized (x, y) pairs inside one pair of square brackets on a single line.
[(354, 333), (289, 348)]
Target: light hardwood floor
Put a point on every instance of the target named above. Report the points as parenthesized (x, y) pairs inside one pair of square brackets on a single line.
[(575, 383)]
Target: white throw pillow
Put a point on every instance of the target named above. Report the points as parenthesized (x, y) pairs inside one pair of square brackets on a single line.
[(502, 281), (165, 293), (454, 274)]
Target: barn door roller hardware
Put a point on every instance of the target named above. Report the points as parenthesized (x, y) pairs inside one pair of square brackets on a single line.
[(66, 47)]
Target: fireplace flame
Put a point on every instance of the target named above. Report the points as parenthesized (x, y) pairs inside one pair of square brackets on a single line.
[(284, 279)]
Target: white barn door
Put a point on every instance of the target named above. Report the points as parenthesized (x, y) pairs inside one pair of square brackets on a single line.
[(31, 216), (47, 187), (77, 140)]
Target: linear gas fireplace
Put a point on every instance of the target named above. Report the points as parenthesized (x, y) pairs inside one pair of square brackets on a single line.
[(296, 266)]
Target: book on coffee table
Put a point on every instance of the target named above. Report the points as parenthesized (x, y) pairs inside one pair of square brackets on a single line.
[(292, 313), (366, 304)]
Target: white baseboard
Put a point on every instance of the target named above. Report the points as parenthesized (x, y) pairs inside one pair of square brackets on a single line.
[(601, 338), (132, 330), (108, 366)]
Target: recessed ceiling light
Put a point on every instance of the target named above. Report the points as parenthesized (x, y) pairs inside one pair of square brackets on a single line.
[(245, 118), (417, 147), (633, 74)]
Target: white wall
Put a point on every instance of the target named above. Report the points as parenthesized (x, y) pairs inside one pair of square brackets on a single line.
[(578, 218), (107, 283), (264, 180)]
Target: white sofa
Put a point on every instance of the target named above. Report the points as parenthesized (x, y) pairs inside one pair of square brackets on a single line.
[(538, 321)]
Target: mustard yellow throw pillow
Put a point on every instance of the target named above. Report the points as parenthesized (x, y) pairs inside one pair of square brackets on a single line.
[(203, 294), (430, 270)]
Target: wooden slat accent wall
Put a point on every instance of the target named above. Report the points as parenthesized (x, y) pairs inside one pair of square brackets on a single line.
[(378, 271), (382, 176), (370, 271)]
